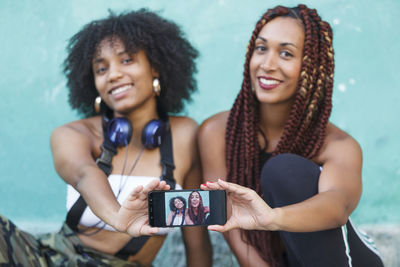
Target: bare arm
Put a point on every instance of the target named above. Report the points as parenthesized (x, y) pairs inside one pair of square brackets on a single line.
[(72, 148), (196, 239), (188, 221), (211, 141), (169, 218), (339, 193), (339, 188)]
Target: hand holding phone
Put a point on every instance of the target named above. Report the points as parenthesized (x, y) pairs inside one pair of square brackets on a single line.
[(247, 209), (179, 208), (132, 217)]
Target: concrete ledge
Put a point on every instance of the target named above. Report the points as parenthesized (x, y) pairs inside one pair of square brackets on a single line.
[(386, 238), (172, 252)]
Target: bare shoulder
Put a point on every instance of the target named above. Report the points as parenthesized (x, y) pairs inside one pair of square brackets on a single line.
[(181, 125), (83, 126), (82, 131), (339, 145), (74, 147), (211, 142), (214, 127), (341, 160), (184, 130)]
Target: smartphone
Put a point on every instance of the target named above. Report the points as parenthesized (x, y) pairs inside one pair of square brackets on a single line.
[(178, 208)]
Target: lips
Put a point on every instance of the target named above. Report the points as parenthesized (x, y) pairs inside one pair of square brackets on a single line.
[(267, 83)]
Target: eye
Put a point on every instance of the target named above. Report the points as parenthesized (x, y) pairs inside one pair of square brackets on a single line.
[(286, 54), (101, 70), (260, 48), (126, 60)]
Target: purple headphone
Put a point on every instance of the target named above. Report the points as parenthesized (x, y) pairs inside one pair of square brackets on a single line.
[(119, 132)]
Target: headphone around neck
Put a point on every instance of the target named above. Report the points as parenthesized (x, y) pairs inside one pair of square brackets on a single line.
[(119, 132)]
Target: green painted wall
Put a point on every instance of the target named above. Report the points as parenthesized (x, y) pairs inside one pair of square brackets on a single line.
[(34, 97)]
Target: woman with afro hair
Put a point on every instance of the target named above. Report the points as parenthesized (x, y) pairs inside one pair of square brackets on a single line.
[(177, 215), (292, 177), (127, 75)]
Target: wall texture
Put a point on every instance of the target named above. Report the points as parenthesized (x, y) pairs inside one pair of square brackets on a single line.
[(34, 97)]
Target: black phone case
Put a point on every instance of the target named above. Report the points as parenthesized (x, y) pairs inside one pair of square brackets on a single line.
[(217, 206)]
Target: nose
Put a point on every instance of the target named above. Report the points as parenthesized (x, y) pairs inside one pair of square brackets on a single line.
[(269, 62), (114, 73)]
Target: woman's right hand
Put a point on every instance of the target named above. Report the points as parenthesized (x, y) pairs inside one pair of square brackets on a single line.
[(248, 210), (133, 216)]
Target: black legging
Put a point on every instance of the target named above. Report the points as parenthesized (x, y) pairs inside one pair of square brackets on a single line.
[(287, 179)]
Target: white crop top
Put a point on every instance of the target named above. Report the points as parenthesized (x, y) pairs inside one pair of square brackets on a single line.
[(127, 184)]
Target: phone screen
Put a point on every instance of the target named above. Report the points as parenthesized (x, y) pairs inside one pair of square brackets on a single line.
[(177, 208)]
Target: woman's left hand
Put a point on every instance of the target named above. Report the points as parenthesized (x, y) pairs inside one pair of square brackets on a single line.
[(248, 210), (132, 217)]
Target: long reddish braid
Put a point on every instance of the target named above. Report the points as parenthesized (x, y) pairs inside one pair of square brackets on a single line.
[(304, 131)]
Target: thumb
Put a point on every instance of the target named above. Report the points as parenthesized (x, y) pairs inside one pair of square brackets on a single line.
[(222, 228), (148, 230)]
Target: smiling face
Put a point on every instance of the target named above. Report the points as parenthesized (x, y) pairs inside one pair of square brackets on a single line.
[(124, 80), (178, 203), (276, 61), (194, 199)]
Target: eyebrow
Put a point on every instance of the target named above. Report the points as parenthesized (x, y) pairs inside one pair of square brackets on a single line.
[(281, 44), (100, 59)]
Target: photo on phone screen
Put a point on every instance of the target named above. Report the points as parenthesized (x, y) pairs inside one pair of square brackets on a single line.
[(177, 208)]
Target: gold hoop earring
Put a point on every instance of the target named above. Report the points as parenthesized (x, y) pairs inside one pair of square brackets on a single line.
[(97, 103), (156, 86)]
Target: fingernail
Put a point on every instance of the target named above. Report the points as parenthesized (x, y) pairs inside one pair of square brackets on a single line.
[(204, 184)]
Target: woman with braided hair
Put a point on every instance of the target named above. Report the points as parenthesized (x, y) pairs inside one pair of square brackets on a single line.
[(292, 177)]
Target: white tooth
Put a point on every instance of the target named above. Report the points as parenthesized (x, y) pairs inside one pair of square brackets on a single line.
[(268, 82), (120, 89)]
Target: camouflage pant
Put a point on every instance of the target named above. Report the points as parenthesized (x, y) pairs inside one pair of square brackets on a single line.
[(19, 248)]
